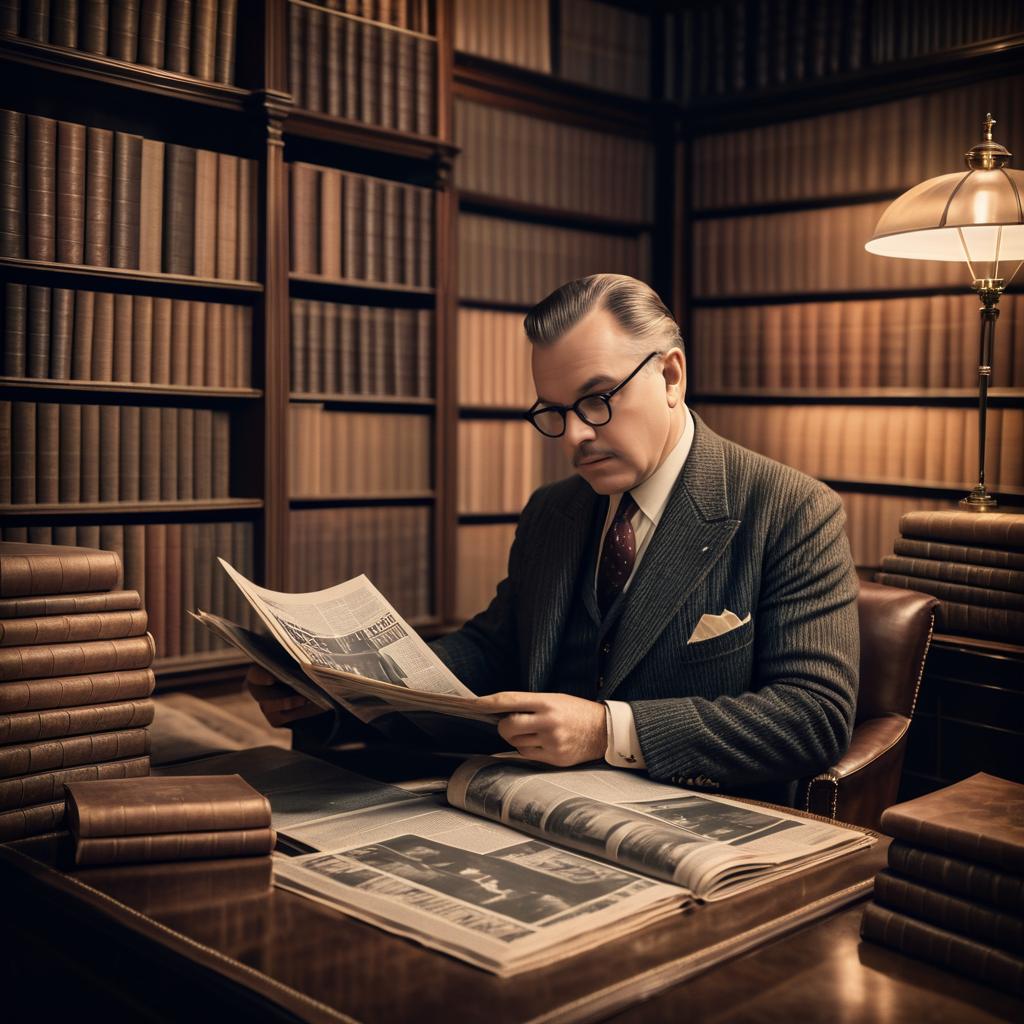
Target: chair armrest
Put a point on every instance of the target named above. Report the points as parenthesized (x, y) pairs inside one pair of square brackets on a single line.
[(865, 780)]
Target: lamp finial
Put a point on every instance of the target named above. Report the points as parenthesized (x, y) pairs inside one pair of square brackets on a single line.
[(987, 155)]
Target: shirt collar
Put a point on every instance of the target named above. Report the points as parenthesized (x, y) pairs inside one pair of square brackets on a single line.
[(652, 495)]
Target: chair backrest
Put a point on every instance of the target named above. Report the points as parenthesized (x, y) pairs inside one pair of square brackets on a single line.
[(895, 630)]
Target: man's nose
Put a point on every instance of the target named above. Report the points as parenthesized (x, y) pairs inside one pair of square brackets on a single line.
[(576, 431)]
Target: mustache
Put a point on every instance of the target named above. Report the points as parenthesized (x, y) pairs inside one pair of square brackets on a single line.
[(585, 452)]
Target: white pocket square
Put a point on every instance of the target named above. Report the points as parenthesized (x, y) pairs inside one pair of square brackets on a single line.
[(711, 626)]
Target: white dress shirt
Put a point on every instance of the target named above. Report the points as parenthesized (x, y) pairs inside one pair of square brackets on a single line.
[(651, 497)]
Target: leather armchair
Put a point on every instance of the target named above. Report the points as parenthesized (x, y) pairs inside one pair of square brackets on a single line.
[(895, 633)]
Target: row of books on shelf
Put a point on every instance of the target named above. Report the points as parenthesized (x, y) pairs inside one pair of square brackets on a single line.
[(919, 342), (350, 68), (805, 251), (75, 680), (493, 360), (728, 49), (481, 562), (508, 261), (391, 545), (532, 160), (356, 227), (973, 564), (887, 147), (519, 35), (902, 444), (175, 35), (68, 334), (91, 196), (502, 462), (66, 453), (174, 567), (415, 15), (352, 454), (360, 350)]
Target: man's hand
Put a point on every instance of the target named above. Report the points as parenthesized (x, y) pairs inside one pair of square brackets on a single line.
[(280, 704), (550, 727)]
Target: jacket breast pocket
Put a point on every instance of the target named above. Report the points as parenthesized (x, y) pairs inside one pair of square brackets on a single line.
[(718, 646)]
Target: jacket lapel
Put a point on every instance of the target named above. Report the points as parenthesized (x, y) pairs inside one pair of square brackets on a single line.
[(555, 566), (695, 529)]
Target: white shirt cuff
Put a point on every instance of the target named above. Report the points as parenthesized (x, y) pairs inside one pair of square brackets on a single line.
[(623, 750)]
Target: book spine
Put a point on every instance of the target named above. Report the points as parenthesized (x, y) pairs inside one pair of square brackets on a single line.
[(12, 184), (938, 946), (179, 35), (70, 751), (47, 452), (71, 573), (31, 821), (126, 207), (227, 14), (152, 25), (179, 209), (73, 691), (956, 592), (64, 22), (958, 553), (62, 315), (29, 790), (190, 815), (70, 454), (174, 846), (71, 147), (98, 195), (41, 187), (124, 30), (33, 726), (39, 331), (53, 629), (68, 604), (18, 663), (204, 39), (999, 530), (975, 576)]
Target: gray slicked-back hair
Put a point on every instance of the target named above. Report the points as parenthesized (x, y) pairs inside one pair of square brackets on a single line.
[(634, 305)]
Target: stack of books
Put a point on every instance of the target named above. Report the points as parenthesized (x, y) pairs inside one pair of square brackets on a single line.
[(154, 819), (973, 563), (953, 893), (75, 680)]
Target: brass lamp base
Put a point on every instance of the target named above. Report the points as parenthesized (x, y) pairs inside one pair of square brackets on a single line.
[(979, 500)]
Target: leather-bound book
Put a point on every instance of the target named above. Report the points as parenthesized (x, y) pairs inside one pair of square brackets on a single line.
[(39, 300), (31, 821), (99, 172), (179, 36), (979, 621), (62, 316), (70, 751), (152, 207), (95, 18), (958, 877), (75, 691), (296, 52), (980, 819), (204, 38), (68, 604), (41, 187), (58, 629), (15, 329), (47, 452), (202, 459), (958, 553), (23, 454), (247, 188), (123, 316), (149, 460), (169, 453), (142, 338), (312, 97), (956, 592), (161, 346), (81, 346), (124, 30), (944, 948), (46, 787), (181, 321), (103, 337), (961, 916), (33, 726), (71, 143), (227, 16), (172, 589), (49, 660), (110, 444), (64, 22), (205, 214), (333, 68), (330, 223), (152, 21), (179, 207), (995, 530), (982, 577), (69, 478), (425, 62), (175, 846), (127, 202), (90, 467), (185, 442), (12, 183), (227, 216)]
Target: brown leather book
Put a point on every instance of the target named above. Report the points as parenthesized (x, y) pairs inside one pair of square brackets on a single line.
[(56, 629), (142, 338), (103, 337), (110, 441), (1002, 530), (49, 755), (124, 30), (33, 726), (123, 317), (185, 440), (38, 338), (202, 458), (90, 469), (149, 460), (70, 455), (205, 214), (44, 787), (227, 216), (71, 143), (227, 14), (95, 26), (958, 877), (47, 452), (962, 917), (41, 187), (980, 819), (152, 19), (179, 200), (15, 329), (938, 946), (204, 38), (81, 347), (75, 658), (165, 804), (179, 36), (127, 201), (48, 569), (181, 321), (75, 691), (958, 553), (12, 183), (161, 345), (172, 589), (169, 453), (69, 604), (312, 97), (23, 455), (152, 206), (99, 173), (175, 846), (31, 821), (956, 592), (982, 577), (978, 621), (62, 314)]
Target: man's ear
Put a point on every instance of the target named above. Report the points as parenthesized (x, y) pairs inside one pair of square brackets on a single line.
[(674, 372)]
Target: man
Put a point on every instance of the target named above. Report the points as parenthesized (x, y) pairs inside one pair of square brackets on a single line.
[(682, 605)]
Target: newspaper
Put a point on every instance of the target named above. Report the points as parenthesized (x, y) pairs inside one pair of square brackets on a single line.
[(547, 862), (346, 648)]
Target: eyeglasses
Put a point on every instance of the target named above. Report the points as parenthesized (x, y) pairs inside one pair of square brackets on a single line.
[(594, 410)]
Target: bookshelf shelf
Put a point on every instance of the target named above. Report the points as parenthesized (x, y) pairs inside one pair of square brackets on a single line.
[(504, 307), (511, 209), (960, 397), (793, 205), (318, 284), (367, 402), (312, 124), (787, 298), (1013, 496), (70, 275), (27, 387), (491, 412), (117, 509), (362, 500), (64, 61), (487, 518)]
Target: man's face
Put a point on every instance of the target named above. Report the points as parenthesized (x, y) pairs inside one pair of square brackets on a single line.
[(592, 357)]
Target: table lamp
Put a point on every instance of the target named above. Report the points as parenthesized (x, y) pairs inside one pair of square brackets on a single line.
[(974, 217)]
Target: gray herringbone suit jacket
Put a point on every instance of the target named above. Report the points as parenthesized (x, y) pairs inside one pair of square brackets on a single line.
[(749, 711)]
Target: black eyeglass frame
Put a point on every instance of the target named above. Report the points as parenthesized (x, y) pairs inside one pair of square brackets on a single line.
[(605, 396)]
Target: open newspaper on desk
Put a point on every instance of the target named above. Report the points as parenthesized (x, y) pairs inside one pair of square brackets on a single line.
[(527, 865), (346, 648)]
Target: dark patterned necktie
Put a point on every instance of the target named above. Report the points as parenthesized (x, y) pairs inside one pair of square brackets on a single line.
[(617, 555)]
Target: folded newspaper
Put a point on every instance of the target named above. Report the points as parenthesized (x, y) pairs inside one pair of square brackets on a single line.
[(346, 648), (547, 863)]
